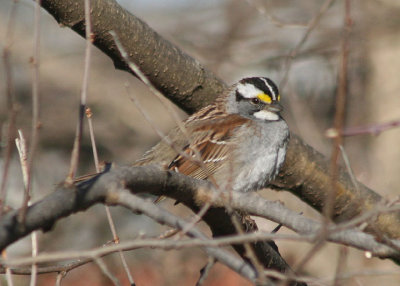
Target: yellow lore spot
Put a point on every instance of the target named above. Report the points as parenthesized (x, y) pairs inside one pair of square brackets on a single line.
[(264, 97), (279, 97)]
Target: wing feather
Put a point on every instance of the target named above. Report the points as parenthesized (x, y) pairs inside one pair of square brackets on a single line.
[(212, 140)]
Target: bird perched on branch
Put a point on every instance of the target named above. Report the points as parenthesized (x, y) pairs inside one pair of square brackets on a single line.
[(238, 143)]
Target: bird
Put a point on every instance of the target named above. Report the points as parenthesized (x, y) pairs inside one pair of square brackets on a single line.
[(238, 143)]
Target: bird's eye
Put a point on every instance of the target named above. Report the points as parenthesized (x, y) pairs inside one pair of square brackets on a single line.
[(255, 101)]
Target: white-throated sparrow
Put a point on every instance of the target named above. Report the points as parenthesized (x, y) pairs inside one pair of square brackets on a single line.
[(241, 139)]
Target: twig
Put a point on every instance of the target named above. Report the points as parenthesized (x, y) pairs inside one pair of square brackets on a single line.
[(310, 254), (338, 125), (89, 115), (22, 151), (205, 271), (249, 251), (263, 10), (138, 243), (135, 69), (57, 268), (63, 268), (162, 216), (204, 209), (89, 40), (206, 206), (349, 168), (85, 84), (339, 114), (373, 129), (11, 123), (12, 114), (311, 25), (60, 276), (105, 271), (341, 265), (7, 271), (197, 158), (328, 280), (110, 220), (35, 61), (12, 110), (138, 204), (274, 211), (366, 216)]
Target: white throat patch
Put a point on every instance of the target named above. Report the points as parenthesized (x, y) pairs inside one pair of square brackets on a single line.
[(266, 115), (248, 90)]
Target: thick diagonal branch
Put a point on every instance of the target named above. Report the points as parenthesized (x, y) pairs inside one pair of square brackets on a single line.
[(187, 83)]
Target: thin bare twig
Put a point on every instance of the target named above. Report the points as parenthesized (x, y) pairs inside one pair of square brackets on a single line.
[(78, 138), (138, 243), (340, 112), (340, 265), (11, 108), (263, 10), (205, 271), (89, 115), (327, 280), (35, 61), (23, 156), (338, 125), (110, 220), (367, 216), (7, 271), (311, 25), (64, 268), (60, 276), (310, 253), (373, 129), (106, 272), (349, 168), (10, 125), (85, 85)]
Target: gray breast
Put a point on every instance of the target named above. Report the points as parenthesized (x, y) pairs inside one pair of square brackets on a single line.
[(260, 155)]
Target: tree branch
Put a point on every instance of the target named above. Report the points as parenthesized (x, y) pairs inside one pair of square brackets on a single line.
[(109, 188), (186, 82), (106, 188)]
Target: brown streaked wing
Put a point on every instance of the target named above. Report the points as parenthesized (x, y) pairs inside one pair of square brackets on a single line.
[(212, 139)]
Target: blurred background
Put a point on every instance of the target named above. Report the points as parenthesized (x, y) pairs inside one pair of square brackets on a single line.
[(234, 39)]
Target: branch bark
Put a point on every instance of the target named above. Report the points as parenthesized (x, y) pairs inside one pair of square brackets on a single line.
[(185, 82), (111, 188), (107, 188), (191, 86)]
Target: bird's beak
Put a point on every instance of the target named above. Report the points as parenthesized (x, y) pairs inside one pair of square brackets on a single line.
[(274, 107)]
